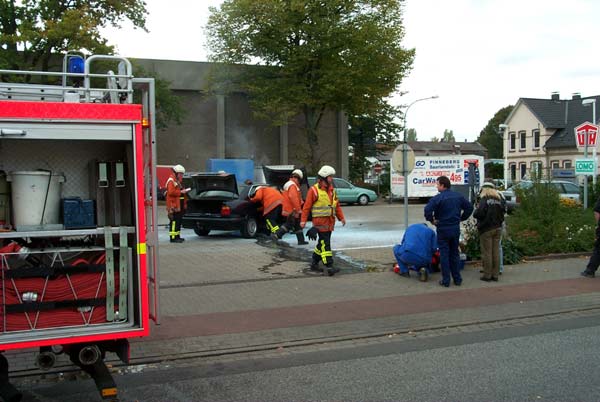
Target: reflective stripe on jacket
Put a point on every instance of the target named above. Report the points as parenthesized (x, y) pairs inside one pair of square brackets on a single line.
[(324, 206), (174, 195), (292, 198), (269, 198)]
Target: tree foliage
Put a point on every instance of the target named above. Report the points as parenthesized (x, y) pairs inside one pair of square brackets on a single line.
[(491, 137), (31, 31), (379, 127), (35, 33), (315, 56), (411, 134), (448, 136)]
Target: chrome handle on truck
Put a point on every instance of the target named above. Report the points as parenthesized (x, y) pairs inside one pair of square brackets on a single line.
[(12, 131)]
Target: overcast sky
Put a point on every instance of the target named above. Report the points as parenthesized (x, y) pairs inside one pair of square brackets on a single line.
[(476, 55)]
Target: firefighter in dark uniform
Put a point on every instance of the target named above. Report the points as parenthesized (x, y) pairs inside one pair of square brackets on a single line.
[(176, 203), (323, 204), (446, 210)]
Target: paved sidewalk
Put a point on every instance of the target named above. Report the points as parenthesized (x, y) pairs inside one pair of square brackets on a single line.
[(259, 296), (256, 297)]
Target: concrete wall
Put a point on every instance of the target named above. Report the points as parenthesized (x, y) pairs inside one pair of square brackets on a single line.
[(224, 126)]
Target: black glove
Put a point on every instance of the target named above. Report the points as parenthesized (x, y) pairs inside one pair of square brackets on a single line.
[(312, 233)]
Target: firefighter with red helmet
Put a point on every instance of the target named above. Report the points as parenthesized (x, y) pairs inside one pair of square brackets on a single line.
[(271, 202), (176, 203), (323, 204), (292, 208)]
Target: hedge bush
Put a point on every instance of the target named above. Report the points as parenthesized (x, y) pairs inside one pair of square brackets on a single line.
[(542, 224)]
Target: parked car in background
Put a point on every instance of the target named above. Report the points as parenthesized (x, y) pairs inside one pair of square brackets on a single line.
[(349, 193), (565, 189)]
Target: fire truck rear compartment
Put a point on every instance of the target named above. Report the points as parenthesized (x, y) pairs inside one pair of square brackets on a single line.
[(63, 285)]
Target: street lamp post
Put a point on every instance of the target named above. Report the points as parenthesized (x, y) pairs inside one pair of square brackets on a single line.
[(592, 102), (405, 157), (504, 128)]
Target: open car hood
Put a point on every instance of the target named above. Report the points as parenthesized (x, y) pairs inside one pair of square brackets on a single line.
[(201, 182)]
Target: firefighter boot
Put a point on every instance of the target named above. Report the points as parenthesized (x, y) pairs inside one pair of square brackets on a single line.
[(314, 265), (331, 270), (278, 234), (300, 237)]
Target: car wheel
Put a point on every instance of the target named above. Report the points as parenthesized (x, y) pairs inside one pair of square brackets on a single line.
[(363, 199), (201, 231), (249, 227)]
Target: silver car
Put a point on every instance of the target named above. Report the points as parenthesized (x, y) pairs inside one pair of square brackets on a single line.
[(565, 189)]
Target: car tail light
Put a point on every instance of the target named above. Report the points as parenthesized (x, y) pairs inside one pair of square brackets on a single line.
[(225, 210)]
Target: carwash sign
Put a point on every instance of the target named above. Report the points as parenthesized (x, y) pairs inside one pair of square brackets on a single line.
[(587, 131)]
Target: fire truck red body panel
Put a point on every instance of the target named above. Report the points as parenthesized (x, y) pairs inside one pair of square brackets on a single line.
[(81, 113)]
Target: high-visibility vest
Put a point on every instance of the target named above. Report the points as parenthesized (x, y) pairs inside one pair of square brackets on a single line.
[(323, 207)]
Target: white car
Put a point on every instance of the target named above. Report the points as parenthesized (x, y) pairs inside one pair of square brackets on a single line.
[(565, 189)]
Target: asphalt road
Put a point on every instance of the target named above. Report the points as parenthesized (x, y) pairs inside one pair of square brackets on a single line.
[(553, 360)]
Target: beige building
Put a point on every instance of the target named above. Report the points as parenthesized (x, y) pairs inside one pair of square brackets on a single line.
[(539, 136)]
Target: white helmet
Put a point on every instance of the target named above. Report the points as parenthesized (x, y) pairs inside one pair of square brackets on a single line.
[(178, 169), (326, 171), (298, 173)]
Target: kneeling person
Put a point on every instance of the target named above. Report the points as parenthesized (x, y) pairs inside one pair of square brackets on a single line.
[(418, 246)]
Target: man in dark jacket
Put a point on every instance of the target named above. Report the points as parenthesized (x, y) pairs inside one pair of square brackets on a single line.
[(446, 210), (594, 262), (490, 216)]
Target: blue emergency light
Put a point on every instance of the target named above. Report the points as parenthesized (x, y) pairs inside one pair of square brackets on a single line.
[(76, 64)]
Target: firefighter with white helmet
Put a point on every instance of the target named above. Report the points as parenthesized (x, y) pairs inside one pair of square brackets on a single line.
[(324, 206), (292, 208), (176, 203)]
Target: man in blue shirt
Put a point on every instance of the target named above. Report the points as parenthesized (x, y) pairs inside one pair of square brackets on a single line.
[(416, 250), (446, 210)]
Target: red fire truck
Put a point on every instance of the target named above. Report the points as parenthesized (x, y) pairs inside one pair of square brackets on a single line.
[(78, 237)]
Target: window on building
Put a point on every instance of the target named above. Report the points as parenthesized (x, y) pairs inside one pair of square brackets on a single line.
[(522, 140), (522, 170), (536, 169), (513, 141), (536, 139), (568, 164), (513, 172), (555, 164)]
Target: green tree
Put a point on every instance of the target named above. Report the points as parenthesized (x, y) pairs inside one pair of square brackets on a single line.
[(448, 136), (168, 105), (379, 127), (314, 55), (435, 139), (32, 31), (411, 134), (491, 137)]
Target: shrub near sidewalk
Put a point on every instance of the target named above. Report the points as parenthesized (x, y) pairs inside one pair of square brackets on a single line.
[(543, 224)]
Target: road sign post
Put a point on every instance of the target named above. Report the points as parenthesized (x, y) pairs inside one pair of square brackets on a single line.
[(586, 134)]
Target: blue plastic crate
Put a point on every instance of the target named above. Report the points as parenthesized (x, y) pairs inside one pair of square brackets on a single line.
[(78, 213)]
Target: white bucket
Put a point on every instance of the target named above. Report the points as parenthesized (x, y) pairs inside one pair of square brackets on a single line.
[(30, 192)]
